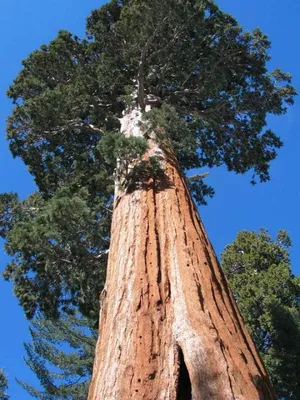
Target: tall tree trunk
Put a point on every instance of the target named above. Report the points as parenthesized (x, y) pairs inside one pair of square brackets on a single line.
[(169, 326)]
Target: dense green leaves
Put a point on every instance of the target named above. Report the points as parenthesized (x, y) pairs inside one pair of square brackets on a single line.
[(268, 296), (122, 153), (61, 355), (190, 55), (210, 92), (185, 54), (58, 251), (51, 126), (3, 386)]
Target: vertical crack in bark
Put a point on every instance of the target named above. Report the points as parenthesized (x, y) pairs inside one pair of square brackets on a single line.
[(200, 295), (227, 367), (216, 302), (219, 287), (146, 221), (184, 388), (158, 249), (165, 245)]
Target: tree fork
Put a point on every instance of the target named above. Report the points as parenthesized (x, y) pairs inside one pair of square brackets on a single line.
[(169, 327)]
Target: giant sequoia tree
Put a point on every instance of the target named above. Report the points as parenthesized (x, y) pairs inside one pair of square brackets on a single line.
[(156, 89)]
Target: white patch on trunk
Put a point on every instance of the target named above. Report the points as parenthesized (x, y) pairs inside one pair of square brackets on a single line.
[(131, 123)]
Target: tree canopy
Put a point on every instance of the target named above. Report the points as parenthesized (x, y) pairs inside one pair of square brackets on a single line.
[(210, 91), (259, 273)]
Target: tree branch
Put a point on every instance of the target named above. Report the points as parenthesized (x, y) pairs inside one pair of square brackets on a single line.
[(71, 124)]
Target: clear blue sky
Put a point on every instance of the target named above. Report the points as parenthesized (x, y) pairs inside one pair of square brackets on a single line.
[(237, 205)]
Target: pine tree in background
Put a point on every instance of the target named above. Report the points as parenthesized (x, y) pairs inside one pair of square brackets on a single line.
[(58, 249), (156, 89), (259, 273), (3, 386), (61, 355)]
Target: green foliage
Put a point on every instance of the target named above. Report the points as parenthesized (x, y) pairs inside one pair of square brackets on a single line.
[(145, 172), (210, 91), (51, 125), (116, 146), (267, 294), (187, 55), (177, 133), (122, 153), (3, 386), (8, 205), (61, 355), (58, 251), (195, 58)]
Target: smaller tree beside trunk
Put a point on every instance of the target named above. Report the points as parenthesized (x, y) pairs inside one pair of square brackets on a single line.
[(267, 293), (61, 356)]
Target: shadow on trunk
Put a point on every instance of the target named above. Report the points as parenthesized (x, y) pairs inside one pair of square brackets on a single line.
[(158, 182)]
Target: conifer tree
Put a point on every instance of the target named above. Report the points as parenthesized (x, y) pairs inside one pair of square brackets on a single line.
[(61, 355), (3, 386), (259, 273), (58, 250), (156, 89)]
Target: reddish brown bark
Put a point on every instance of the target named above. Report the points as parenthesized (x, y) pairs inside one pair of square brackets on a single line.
[(169, 326)]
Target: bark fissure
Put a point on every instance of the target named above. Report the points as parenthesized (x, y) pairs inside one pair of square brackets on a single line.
[(158, 249), (216, 302), (219, 289), (227, 367), (200, 295), (184, 382)]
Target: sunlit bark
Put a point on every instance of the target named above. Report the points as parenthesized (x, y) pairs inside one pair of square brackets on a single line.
[(169, 326)]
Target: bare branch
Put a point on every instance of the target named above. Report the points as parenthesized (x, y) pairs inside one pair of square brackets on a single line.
[(74, 124), (198, 177)]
